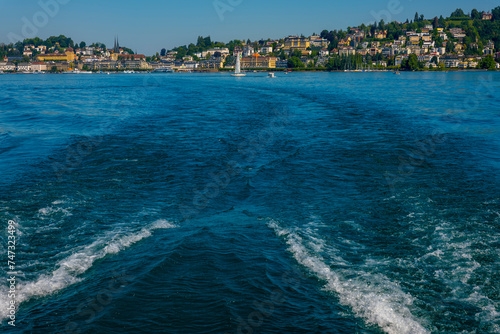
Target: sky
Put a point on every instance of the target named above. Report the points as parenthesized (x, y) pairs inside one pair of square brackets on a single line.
[(148, 26)]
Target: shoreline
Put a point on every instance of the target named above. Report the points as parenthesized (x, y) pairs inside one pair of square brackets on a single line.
[(267, 71)]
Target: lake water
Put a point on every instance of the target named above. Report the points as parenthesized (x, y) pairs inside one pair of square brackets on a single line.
[(204, 203)]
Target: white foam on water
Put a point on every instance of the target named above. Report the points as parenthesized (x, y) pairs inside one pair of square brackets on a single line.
[(371, 297), (455, 253), (456, 268), (58, 209), (69, 269)]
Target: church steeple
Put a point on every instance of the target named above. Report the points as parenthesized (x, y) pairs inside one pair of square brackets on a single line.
[(116, 49)]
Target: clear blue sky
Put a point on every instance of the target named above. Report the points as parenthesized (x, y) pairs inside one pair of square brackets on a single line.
[(148, 26)]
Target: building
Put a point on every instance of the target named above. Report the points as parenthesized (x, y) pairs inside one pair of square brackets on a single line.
[(487, 16), (258, 61), (8, 67), (424, 58), (324, 53), (382, 34), (60, 66), (457, 32), (24, 67), (459, 47), (347, 51), (450, 61), (281, 63), (218, 52), (41, 48), (373, 51), (488, 51), (38, 67), (248, 51), (68, 55), (316, 41), (415, 39), (130, 57), (214, 63), (266, 49), (296, 43), (192, 65), (388, 52), (399, 59)]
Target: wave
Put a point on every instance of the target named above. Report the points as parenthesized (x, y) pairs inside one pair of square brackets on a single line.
[(371, 297), (69, 269)]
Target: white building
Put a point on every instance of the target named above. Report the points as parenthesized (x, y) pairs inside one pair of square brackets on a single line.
[(248, 51), (266, 49), (324, 53), (23, 67), (6, 66)]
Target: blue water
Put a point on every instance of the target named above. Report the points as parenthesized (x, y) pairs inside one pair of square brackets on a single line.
[(203, 203)]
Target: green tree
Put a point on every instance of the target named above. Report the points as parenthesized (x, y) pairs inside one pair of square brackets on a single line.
[(295, 62), (442, 22), (412, 63), (487, 63), (163, 52), (496, 14), (82, 45), (416, 17), (450, 47), (208, 41), (201, 42), (296, 53), (458, 13), (475, 15), (283, 55), (435, 23)]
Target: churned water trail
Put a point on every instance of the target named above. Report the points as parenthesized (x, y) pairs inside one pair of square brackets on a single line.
[(310, 203), (70, 269), (372, 297)]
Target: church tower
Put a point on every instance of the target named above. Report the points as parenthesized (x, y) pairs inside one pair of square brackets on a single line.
[(116, 48)]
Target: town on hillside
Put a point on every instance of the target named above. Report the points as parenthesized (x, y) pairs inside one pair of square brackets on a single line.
[(460, 41)]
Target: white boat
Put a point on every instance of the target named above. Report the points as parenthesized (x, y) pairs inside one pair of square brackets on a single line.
[(1, 72), (164, 70), (128, 72), (237, 69), (77, 71), (271, 75)]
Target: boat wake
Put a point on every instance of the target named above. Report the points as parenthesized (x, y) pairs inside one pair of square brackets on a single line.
[(70, 269), (372, 297)]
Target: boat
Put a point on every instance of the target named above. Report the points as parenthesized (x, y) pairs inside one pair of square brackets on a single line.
[(164, 70), (271, 75), (397, 73), (128, 72), (237, 69), (77, 71)]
